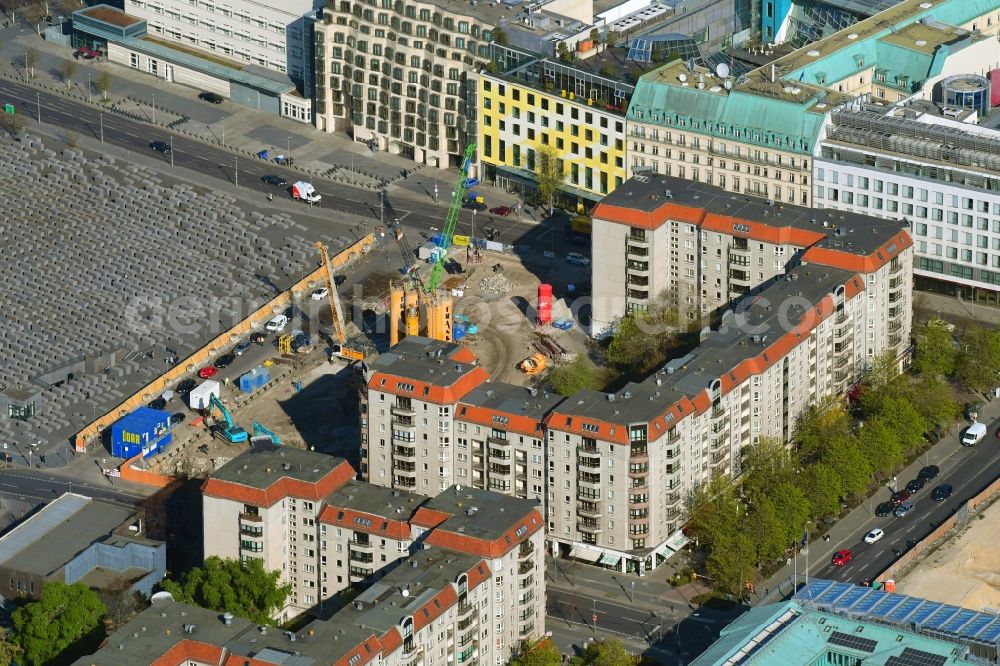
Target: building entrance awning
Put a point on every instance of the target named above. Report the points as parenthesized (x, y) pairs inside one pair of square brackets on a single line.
[(585, 554), (610, 560)]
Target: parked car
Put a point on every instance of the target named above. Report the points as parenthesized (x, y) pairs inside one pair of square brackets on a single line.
[(224, 361), (158, 403), (186, 385), (899, 497), (875, 535), (319, 294), (903, 509), (177, 417), (502, 211), (916, 484), (474, 205), (160, 147), (972, 410), (929, 472), (884, 509), (277, 323), (211, 97), (276, 181), (577, 259), (973, 434), (208, 371), (242, 347), (841, 557), (941, 493)]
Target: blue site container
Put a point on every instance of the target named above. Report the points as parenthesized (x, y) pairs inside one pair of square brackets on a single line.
[(145, 431), (437, 239), (457, 332), (254, 379), (472, 329)]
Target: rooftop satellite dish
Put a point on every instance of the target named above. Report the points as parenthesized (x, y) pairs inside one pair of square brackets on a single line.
[(729, 84), (722, 70), (682, 77)]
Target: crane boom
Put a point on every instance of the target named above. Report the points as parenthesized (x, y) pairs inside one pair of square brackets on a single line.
[(452, 220), (336, 312)]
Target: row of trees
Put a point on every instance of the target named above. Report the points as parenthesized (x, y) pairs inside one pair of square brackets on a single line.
[(598, 653), (742, 527), (975, 362)]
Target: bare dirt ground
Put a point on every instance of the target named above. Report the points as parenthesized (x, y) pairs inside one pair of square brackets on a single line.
[(966, 571), (506, 321)]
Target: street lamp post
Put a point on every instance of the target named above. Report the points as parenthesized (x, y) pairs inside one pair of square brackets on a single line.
[(171, 150), (236, 176), (632, 596), (154, 108), (38, 102), (102, 127), (288, 148), (90, 97)]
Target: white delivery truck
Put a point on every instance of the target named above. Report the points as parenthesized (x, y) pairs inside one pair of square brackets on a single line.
[(973, 434), (306, 192), (201, 397)]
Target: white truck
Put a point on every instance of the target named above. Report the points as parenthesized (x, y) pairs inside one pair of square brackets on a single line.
[(306, 192)]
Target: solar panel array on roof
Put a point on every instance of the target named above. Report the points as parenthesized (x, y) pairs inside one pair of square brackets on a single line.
[(913, 657), (906, 612), (640, 51), (851, 641)]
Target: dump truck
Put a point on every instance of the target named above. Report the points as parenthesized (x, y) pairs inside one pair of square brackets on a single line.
[(305, 192), (534, 364)]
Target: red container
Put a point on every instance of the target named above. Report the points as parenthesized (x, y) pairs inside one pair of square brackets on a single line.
[(995, 87), (544, 303)]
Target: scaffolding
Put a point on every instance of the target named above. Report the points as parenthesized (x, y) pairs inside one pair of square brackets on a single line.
[(911, 137)]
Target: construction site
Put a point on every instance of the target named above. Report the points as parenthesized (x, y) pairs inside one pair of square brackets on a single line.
[(170, 400)]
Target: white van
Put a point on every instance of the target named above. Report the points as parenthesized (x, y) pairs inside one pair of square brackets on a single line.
[(277, 323), (973, 434)]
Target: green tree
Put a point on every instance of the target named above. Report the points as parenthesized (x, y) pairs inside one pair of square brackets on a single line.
[(882, 381), (568, 378), (713, 511), (30, 60), (845, 456), (731, 563), (819, 424), (548, 173), (67, 68), (542, 653), (822, 484), (609, 652), (103, 84), (499, 36), (766, 529), (793, 506), (935, 354), (642, 339), (880, 444), (902, 417), (766, 463), (595, 37), (227, 585), (933, 398), (978, 364), (9, 650), (13, 123), (63, 617)]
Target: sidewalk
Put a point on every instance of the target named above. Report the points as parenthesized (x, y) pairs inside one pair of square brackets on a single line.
[(855, 522), (177, 107)]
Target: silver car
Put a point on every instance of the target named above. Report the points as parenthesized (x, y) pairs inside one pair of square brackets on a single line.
[(903, 509)]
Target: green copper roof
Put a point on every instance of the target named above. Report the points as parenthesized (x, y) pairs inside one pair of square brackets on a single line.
[(742, 116), (787, 634)]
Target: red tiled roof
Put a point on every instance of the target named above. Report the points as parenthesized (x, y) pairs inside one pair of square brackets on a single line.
[(390, 641), (761, 231), (508, 541), (368, 650), (476, 578), (441, 395), (429, 518), (607, 432), (282, 487), (518, 423), (187, 650), (395, 529), (650, 220), (463, 355), (447, 598), (849, 261)]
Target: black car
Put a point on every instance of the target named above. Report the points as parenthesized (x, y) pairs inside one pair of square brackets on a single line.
[(224, 361), (916, 484), (160, 147), (186, 385), (277, 181), (474, 205), (941, 493), (929, 472), (158, 403), (884, 509), (177, 417), (211, 97)]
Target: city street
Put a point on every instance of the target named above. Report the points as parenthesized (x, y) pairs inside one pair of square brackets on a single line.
[(44, 486)]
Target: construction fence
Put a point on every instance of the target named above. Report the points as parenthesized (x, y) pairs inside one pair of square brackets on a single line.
[(90, 434)]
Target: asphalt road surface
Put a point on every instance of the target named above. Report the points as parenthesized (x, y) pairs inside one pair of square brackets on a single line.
[(968, 470), (672, 631), (44, 487), (413, 207)]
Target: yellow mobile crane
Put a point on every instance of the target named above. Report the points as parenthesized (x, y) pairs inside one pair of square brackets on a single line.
[(342, 348)]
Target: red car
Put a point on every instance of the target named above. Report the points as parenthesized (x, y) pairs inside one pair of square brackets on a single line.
[(502, 211), (841, 557), (208, 371)]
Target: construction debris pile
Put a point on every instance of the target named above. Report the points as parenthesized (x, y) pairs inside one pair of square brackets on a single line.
[(496, 283)]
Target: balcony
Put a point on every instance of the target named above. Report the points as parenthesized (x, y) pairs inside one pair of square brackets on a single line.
[(739, 277), (365, 546), (526, 630), (499, 454), (405, 437), (498, 442), (358, 574), (402, 410), (718, 412), (895, 339), (896, 267), (527, 597), (636, 470), (404, 467), (718, 458), (671, 499), (588, 447), (526, 550), (526, 582), (251, 518), (840, 332), (252, 531), (466, 623), (364, 558), (895, 326), (525, 567), (400, 482), (589, 526), (585, 480), (403, 422), (588, 509), (638, 241), (589, 462)]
